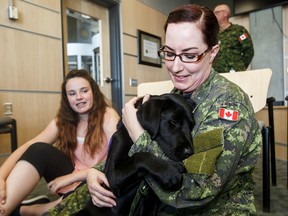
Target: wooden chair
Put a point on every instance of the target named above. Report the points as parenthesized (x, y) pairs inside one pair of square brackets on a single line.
[(154, 88), (255, 83)]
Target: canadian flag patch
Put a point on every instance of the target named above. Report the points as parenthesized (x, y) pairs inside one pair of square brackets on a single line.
[(231, 115), (243, 37)]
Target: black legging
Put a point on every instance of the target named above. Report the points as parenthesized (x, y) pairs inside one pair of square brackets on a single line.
[(48, 160)]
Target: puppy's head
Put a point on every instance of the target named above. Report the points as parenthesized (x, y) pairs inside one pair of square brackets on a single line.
[(168, 118)]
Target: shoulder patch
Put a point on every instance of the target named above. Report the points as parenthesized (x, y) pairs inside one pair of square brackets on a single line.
[(231, 115), (243, 37)]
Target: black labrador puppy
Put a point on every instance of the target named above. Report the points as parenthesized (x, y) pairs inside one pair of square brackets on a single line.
[(168, 119)]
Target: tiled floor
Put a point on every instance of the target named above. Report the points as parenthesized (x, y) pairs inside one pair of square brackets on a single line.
[(279, 193)]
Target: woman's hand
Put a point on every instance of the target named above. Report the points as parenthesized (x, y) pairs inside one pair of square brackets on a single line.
[(101, 197), (130, 120)]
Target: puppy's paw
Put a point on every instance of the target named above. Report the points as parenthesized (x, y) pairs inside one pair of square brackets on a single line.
[(173, 178), (179, 167)]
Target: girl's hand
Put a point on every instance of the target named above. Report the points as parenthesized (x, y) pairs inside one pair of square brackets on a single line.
[(2, 195), (2, 191), (101, 197), (60, 182)]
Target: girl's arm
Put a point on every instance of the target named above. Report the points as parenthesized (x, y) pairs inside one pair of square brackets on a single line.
[(111, 119), (48, 135)]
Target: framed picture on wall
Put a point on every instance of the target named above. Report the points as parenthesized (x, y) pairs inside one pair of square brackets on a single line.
[(148, 45)]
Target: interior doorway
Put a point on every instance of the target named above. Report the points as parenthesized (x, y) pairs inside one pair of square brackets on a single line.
[(91, 40)]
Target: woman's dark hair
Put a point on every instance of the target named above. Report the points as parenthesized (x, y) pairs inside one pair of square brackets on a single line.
[(202, 16), (67, 119)]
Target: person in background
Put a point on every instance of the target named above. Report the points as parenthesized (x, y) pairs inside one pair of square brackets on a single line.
[(80, 131), (236, 46), (223, 184)]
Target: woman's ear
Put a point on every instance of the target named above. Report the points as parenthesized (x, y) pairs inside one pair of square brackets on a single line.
[(214, 52)]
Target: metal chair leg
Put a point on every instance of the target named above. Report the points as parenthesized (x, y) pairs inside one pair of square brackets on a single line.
[(266, 169), (270, 102), (13, 134)]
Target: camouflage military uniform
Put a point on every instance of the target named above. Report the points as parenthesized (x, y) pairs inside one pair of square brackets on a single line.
[(75, 201), (236, 50), (229, 189)]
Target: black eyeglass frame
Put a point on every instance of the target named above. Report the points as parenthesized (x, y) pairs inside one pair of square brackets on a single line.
[(198, 59)]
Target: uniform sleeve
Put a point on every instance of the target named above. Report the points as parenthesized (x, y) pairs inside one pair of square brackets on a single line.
[(247, 46), (199, 188), (145, 144)]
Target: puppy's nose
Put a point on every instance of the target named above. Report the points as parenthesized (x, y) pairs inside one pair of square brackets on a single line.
[(188, 152)]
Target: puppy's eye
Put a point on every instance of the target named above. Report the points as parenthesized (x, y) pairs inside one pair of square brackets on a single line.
[(174, 123)]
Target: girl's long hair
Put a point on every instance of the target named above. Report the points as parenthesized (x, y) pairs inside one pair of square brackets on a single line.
[(67, 119)]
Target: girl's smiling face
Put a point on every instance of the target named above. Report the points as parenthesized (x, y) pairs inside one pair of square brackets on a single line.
[(80, 95), (186, 37)]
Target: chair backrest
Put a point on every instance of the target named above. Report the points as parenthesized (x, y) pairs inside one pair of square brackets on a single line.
[(154, 88), (254, 82)]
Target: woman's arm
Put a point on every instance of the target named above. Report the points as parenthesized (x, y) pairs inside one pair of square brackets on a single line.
[(240, 138)]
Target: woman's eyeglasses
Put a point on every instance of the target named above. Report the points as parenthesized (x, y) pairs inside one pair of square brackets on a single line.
[(184, 57)]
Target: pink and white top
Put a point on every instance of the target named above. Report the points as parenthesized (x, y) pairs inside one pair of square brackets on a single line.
[(84, 161)]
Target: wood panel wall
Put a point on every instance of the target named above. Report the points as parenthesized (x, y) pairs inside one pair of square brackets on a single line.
[(137, 16), (280, 128), (31, 69)]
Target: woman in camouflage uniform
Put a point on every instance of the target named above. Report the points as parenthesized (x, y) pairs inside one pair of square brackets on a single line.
[(227, 137)]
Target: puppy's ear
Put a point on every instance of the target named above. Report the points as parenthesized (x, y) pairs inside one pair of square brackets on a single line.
[(138, 103), (149, 115)]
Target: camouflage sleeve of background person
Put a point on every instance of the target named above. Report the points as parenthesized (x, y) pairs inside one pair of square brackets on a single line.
[(246, 45), (236, 50), (232, 173)]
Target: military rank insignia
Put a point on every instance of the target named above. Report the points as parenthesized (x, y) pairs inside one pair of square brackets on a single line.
[(231, 115)]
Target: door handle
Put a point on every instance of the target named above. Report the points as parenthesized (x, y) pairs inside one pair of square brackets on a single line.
[(108, 80)]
